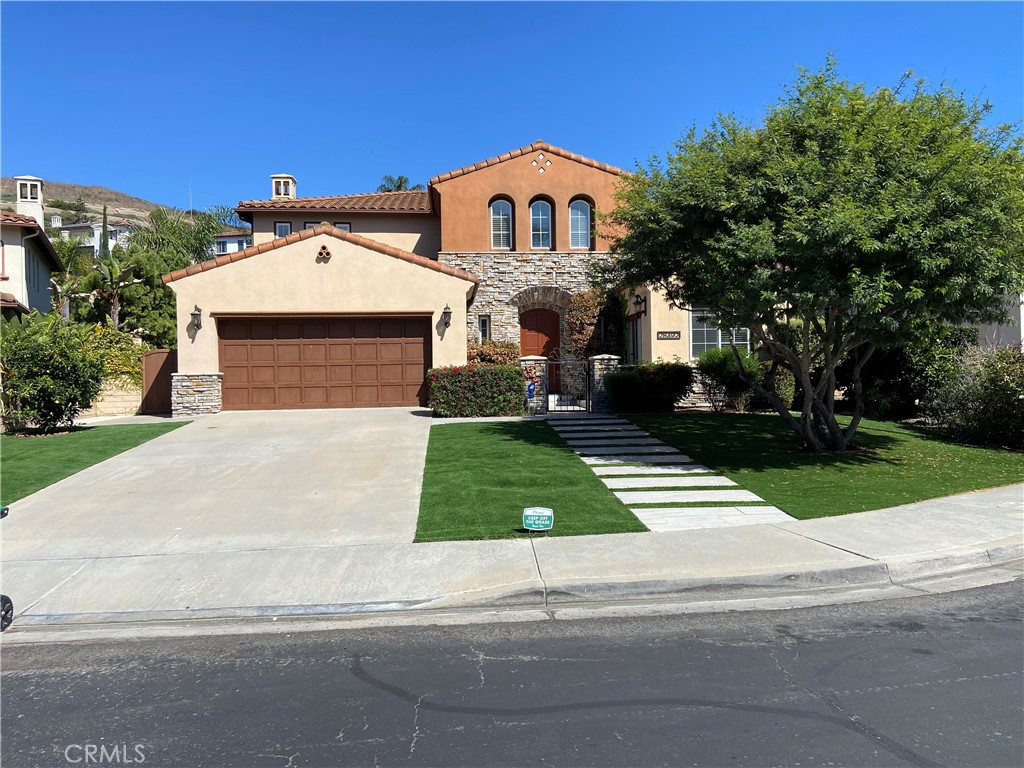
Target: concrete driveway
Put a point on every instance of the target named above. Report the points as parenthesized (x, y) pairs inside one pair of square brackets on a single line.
[(243, 482)]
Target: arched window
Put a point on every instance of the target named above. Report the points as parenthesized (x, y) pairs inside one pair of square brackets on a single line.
[(540, 224), (501, 224), (579, 224)]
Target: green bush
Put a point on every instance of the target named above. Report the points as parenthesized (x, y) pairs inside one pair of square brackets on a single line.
[(478, 389), (785, 388), (119, 353), (625, 393), (983, 402), (649, 387), (48, 374), (495, 352), (720, 376)]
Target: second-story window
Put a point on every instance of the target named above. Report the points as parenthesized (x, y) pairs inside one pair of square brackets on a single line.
[(222, 246), (540, 224), (501, 224), (579, 224), (282, 228)]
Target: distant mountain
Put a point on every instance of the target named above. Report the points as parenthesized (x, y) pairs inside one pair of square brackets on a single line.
[(119, 205)]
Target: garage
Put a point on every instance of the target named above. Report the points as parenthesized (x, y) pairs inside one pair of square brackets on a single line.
[(323, 362)]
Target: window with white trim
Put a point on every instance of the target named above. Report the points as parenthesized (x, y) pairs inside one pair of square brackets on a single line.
[(222, 246), (282, 228), (705, 335), (579, 224), (540, 224), (485, 327), (501, 224)]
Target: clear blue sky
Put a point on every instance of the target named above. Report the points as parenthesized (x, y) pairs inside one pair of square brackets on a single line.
[(148, 97)]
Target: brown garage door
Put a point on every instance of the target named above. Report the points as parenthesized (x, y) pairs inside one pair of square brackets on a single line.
[(357, 362)]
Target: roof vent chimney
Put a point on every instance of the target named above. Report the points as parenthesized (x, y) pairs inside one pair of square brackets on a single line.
[(29, 197), (282, 186)]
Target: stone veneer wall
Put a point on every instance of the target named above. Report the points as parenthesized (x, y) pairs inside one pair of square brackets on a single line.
[(194, 394), (506, 276)]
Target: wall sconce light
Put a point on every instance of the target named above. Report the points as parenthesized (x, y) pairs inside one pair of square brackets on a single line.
[(446, 316), (640, 305), (197, 318)]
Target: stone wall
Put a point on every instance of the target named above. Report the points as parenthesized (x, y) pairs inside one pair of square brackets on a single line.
[(513, 282), (115, 400), (601, 366), (194, 394)]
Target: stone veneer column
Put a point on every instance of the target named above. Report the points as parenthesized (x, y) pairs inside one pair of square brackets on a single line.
[(600, 366), (535, 369), (194, 394)]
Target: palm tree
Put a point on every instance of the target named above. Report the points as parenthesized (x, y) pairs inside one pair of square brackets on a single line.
[(113, 273), (183, 240), (397, 184)]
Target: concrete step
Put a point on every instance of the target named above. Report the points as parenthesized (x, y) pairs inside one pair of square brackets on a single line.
[(668, 469), (684, 497), (611, 450), (701, 481), (635, 458)]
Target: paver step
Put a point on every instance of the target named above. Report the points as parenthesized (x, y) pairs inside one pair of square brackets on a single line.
[(692, 518), (568, 430), (592, 442), (681, 497), (611, 450), (635, 458), (705, 481), (624, 435), (667, 469)]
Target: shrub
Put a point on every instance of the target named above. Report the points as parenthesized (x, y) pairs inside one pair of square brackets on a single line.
[(119, 353), (983, 402), (478, 389), (720, 376), (495, 352), (48, 374), (785, 388), (649, 387)]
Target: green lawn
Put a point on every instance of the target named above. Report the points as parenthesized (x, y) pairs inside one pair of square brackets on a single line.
[(479, 477), (28, 464), (899, 464)]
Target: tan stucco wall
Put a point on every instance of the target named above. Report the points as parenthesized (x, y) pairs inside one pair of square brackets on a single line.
[(661, 316), (418, 233), (289, 279), (465, 200)]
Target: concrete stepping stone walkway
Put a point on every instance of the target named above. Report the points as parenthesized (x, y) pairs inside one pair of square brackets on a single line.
[(640, 469)]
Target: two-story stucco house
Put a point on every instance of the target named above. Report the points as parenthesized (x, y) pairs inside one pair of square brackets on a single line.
[(27, 258), (348, 300)]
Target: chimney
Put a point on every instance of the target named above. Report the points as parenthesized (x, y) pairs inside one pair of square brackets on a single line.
[(282, 186), (28, 191), (56, 221)]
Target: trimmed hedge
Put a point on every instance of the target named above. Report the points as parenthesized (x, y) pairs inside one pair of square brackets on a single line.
[(648, 387), (721, 378), (477, 389), (496, 352)]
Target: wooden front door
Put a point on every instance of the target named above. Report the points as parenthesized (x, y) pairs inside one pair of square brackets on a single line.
[(539, 335)]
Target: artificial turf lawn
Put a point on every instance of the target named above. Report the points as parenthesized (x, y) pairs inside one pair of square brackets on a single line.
[(479, 477), (28, 464), (898, 465)]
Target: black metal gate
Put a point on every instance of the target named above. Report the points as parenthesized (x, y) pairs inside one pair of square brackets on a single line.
[(568, 385)]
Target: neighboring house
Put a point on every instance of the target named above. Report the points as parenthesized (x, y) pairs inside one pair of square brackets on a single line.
[(91, 233), (232, 241), (27, 258), (998, 335), (347, 300)]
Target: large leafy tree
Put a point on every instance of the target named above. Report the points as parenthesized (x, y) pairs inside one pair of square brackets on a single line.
[(396, 184), (851, 220)]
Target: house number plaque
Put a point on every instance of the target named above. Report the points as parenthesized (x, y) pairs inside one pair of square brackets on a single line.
[(669, 335)]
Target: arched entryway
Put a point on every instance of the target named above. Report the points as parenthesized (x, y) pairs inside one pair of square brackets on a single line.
[(539, 335)]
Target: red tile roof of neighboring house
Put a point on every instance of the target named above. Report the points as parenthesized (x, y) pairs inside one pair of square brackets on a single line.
[(235, 233), (322, 229), (416, 201), (7, 301), (537, 146), (17, 220), (8, 217)]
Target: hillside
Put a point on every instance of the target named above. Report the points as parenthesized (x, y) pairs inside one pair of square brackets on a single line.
[(119, 205)]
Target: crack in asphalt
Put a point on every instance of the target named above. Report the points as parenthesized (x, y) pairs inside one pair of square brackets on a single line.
[(842, 720)]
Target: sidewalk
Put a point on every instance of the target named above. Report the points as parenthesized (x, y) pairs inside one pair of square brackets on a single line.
[(884, 548)]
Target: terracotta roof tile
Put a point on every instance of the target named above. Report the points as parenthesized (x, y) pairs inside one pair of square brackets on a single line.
[(321, 229), (412, 201), (537, 146), (8, 217)]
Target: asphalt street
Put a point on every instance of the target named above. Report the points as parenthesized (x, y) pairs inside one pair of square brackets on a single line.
[(930, 681)]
